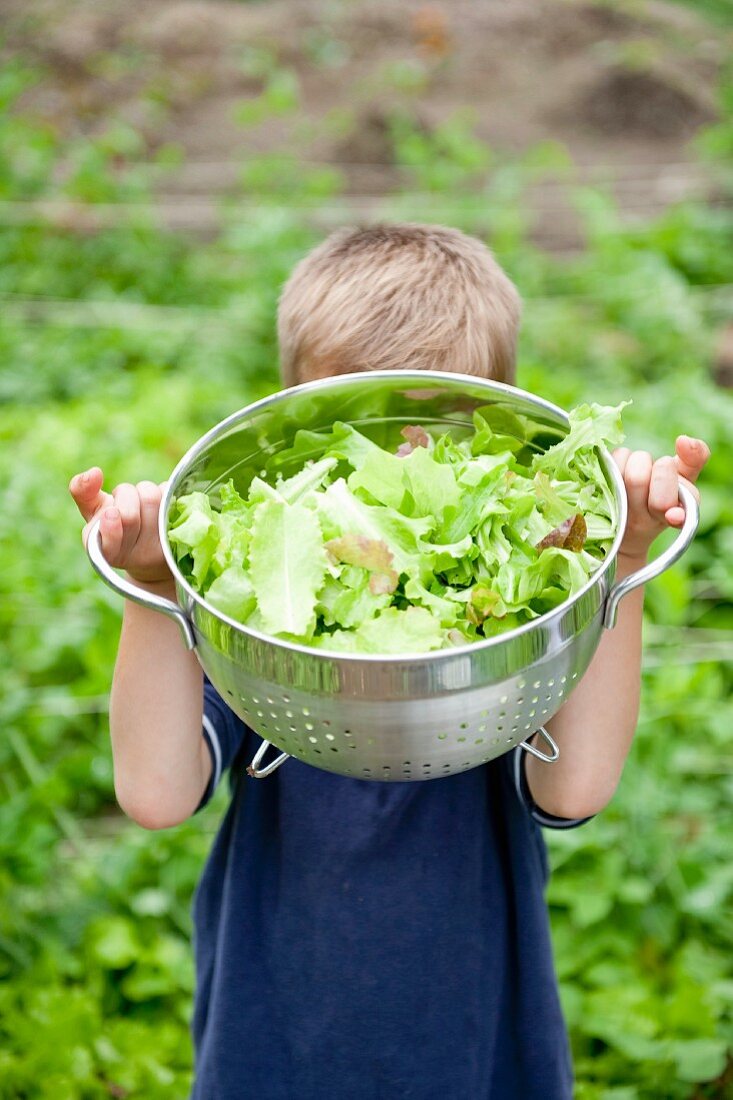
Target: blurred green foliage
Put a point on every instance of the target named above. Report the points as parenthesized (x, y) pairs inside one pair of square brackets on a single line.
[(120, 346)]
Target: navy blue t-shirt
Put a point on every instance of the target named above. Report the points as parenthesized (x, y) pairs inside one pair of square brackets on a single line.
[(361, 940)]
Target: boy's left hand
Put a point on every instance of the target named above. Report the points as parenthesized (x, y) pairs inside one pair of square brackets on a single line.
[(652, 491)]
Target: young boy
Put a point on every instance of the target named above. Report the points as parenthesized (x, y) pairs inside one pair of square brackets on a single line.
[(359, 940)]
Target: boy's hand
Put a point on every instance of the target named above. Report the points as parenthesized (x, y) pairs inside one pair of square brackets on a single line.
[(652, 491), (129, 524)]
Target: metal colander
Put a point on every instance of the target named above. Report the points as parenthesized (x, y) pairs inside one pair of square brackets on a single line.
[(387, 718)]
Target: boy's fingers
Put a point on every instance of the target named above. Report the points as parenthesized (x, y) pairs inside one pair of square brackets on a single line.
[(110, 532), (150, 498), (663, 488), (127, 503), (621, 456), (691, 455), (675, 517), (150, 494), (86, 489), (637, 475)]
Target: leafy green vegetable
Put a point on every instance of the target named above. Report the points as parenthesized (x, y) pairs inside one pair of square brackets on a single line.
[(434, 543), (287, 563)]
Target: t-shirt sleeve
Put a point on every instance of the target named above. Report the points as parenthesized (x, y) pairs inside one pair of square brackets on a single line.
[(224, 733), (549, 821)]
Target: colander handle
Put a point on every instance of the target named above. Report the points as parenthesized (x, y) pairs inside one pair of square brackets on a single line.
[(132, 591), (554, 753), (654, 568), (254, 768)]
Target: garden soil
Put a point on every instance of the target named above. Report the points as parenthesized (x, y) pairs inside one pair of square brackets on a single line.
[(622, 87)]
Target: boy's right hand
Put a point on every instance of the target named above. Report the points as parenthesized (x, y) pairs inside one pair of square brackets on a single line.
[(129, 524)]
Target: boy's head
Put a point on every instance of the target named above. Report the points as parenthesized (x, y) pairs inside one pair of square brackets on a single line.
[(420, 297)]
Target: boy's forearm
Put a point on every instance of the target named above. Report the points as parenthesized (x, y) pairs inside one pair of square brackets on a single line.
[(595, 727), (161, 763)]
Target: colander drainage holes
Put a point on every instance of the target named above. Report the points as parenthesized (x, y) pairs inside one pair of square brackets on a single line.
[(442, 736), (308, 725), (313, 740)]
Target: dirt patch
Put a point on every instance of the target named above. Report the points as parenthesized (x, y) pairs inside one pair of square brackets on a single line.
[(618, 85), (645, 104)]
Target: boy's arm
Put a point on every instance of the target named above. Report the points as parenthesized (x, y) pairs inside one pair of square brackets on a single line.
[(595, 727), (162, 763)]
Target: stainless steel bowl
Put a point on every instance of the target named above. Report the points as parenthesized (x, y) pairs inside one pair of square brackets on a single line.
[(373, 717)]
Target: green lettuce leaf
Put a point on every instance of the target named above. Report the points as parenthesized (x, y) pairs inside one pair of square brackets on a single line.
[(287, 565), (232, 592)]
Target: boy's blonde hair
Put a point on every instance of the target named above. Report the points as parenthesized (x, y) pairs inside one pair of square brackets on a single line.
[(424, 297)]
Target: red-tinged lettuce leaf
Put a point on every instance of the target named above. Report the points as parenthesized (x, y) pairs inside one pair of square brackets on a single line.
[(342, 513), (371, 554), (414, 436), (381, 583), (570, 535)]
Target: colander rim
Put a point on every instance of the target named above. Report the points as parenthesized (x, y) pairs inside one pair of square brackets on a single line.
[(445, 653)]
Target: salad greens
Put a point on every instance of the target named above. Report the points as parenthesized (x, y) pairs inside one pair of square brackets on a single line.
[(440, 541)]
